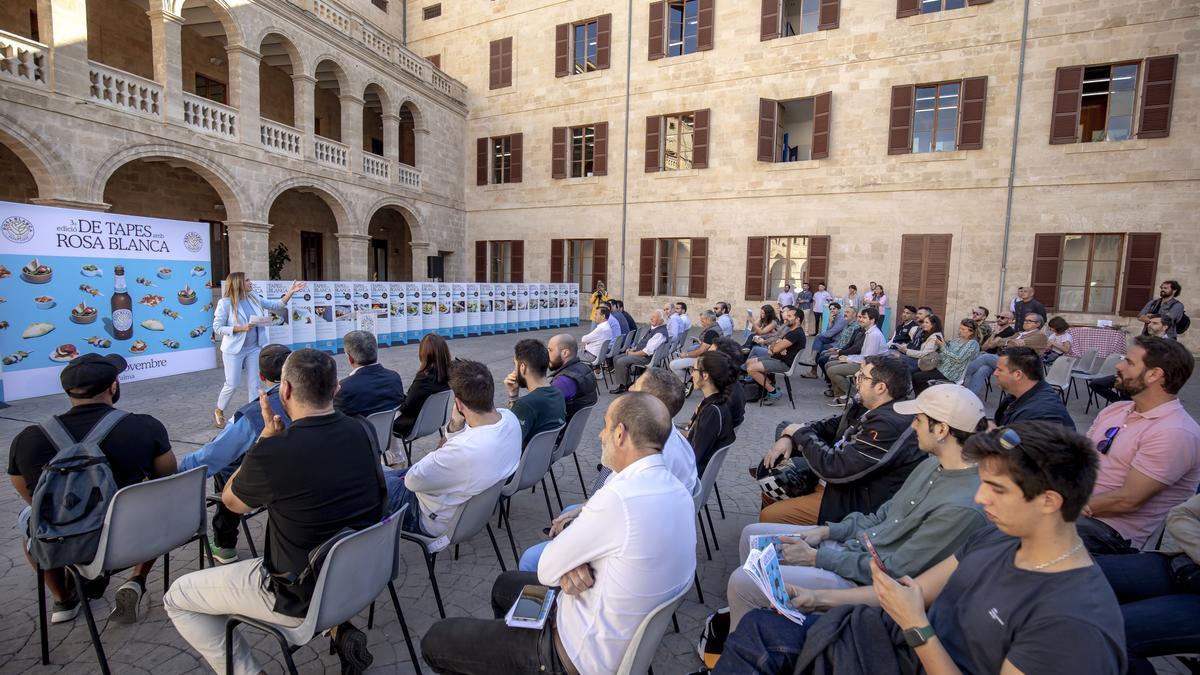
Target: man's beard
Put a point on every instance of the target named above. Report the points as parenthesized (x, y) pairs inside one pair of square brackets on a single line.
[(1164, 294), (1131, 387)]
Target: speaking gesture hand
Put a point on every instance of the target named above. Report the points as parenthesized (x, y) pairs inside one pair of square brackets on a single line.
[(272, 423)]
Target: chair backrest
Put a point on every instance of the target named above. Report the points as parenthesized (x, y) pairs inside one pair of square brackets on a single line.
[(149, 519), (570, 439), (710, 475), (1109, 366), (354, 574), (1087, 362), (614, 346), (535, 462), (1059, 374), (642, 647), (604, 348), (433, 414), (661, 356), (381, 422), (474, 515)]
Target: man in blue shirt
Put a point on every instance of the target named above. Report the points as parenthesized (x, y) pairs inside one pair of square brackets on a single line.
[(837, 323), (1026, 396), (614, 322), (724, 321), (223, 454)]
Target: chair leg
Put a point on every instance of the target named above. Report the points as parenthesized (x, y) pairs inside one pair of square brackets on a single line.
[(230, 624), (582, 485), (720, 504), (456, 552), (675, 621), (412, 653), (42, 629), (91, 622), (249, 539), (704, 536), (554, 482), (207, 551), (546, 494), (699, 593), (287, 655), (430, 560), (408, 451), (371, 616), (787, 381), (512, 540), (712, 529), (166, 571), (496, 548)]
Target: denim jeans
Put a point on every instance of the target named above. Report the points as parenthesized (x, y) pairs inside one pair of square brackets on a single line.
[(398, 496), (979, 371), (1160, 618), (531, 555), (1100, 538), (820, 344), (764, 642)]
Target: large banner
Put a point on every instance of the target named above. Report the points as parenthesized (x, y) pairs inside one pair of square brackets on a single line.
[(412, 310), (429, 308), (323, 313), (458, 304), (383, 312), (399, 322), (474, 318), (62, 295)]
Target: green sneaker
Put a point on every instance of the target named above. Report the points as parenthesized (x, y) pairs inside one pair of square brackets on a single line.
[(223, 556)]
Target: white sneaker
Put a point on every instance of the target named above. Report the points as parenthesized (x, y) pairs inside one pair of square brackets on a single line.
[(127, 602)]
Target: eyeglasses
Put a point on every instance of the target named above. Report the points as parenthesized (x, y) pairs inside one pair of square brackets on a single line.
[(1109, 435)]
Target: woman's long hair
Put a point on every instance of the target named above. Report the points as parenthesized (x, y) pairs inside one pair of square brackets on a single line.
[(768, 316), (236, 289), (935, 322), (976, 335), (434, 355), (721, 372)]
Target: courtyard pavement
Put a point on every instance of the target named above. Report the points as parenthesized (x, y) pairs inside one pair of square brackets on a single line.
[(184, 404)]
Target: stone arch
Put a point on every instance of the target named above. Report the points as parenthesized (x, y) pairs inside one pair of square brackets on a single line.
[(345, 86), (329, 194), (235, 202), (394, 222), (224, 14), (414, 108), (406, 208), (299, 63), (53, 175), (280, 62)]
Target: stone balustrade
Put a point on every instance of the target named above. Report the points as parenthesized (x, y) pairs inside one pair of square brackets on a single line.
[(281, 138), (210, 117), (331, 153), (376, 167), (124, 91), (409, 177), (22, 60)]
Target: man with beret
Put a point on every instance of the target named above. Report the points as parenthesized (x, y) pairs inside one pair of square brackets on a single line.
[(137, 448)]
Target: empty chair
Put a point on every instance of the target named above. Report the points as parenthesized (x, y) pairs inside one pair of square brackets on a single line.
[(599, 362), (381, 422), (1059, 375), (568, 443), (649, 635), (434, 413), (1086, 365), (532, 469), (707, 481), (1108, 368)]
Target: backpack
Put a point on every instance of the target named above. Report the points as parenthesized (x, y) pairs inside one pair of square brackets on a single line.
[(1183, 324), (71, 499)]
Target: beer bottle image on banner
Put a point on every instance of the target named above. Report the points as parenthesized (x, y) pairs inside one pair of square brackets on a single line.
[(122, 306)]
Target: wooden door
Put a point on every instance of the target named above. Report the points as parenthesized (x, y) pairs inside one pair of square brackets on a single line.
[(311, 256), (379, 260), (924, 271)]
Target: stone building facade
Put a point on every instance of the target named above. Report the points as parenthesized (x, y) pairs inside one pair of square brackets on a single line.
[(863, 201), (305, 123)]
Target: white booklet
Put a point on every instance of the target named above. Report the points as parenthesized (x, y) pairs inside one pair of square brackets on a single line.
[(763, 567)]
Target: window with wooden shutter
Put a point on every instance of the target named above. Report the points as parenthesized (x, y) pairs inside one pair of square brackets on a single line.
[(822, 116), (785, 18), (1047, 260), (556, 260), (698, 274), (830, 14), (906, 8), (494, 69), (600, 151), (558, 153), (599, 261), (582, 151), (704, 30), (769, 20), (768, 120), (518, 261), (972, 109), (653, 143), (482, 157), (500, 70), (700, 140), (756, 268), (1141, 272), (818, 261), (657, 37), (900, 124), (481, 262), (1158, 92), (562, 54), (1064, 122), (603, 41), (515, 176), (925, 271), (646, 266)]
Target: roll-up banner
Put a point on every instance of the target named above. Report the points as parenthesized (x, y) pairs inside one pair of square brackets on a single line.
[(501, 314), (573, 304), (458, 310), (429, 308), (474, 322), (323, 314), (300, 316), (445, 325), (412, 312), (343, 311), (535, 306), (544, 315), (522, 291), (383, 313), (487, 311), (396, 316)]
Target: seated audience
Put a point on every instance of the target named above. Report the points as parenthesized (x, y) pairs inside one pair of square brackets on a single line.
[(848, 343), (931, 334), (1003, 329), (1025, 395), (780, 356), (981, 368), (711, 426), (482, 448), (905, 328), (710, 333), (570, 376), (315, 478), (761, 332), (737, 398), (224, 453), (1105, 387), (678, 321), (369, 388), (979, 315), (862, 456), (544, 407), (640, 353), (929, 517), (1149, 449), (614, 321), (627, 316), (631, 548), (848, 364), (837, 323), (957, 354), (594, 341), (1024, 597), (432, 378), (1058, 343), (136, 446), (724, 321)]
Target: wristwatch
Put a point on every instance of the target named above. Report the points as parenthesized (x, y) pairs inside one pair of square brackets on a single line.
[(915, 637)]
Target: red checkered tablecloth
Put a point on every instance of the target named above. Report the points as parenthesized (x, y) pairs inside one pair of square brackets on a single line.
[(1106, 341)]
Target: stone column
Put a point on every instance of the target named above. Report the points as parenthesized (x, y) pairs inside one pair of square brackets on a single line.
[(391, 136), (304, 91), (352, 130), (420, 267), (168, 60), (62, 25), (248, 248), (353, 249), (244, 90)]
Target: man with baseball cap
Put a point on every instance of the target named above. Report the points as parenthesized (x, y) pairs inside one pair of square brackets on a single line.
[(137, 448), (928, 518)]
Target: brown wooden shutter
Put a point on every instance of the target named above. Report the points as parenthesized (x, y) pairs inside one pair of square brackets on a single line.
[(562, 47), (769, 26), (558, 152), (768, 119), (1141, 272), (514, 175), (900, 125), (494, 69), (481, 161), (435, 59), (912, 257), (481, 261), (1047, 259), (646, 266), (907, 8), (830, 14), (937, 271), (603, 41), (518, 261), (700, 140), (658, 29), (506, 59), (557, 247), (698, 270), (756, 268), (704, 29), (818, 261), (1064, 122), (600, 150), (600, 261), (1158, 92), (653, 143), (971, 113), (822, 116)]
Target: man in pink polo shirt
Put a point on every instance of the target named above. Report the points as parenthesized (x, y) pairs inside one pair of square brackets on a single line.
[(1149, 449)]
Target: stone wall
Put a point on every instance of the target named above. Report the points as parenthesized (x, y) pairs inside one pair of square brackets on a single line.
[(276, 99), (295, 212), (15, 16), (119, 36), (203, 56), (16, 183)]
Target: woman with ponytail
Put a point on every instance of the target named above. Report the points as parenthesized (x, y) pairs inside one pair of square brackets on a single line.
[(711, 426)]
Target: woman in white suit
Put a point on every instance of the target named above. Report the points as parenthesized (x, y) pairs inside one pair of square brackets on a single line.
[(239, 320)]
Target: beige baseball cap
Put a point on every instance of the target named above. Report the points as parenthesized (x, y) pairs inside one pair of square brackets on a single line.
[(953, 404)]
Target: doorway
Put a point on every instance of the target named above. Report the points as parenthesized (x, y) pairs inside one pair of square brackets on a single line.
[(311, 256)]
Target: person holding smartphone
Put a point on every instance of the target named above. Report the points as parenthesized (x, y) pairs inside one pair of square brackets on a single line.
[(1023, 596)]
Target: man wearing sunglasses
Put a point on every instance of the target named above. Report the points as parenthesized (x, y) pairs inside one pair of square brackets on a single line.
[(1149, 449)]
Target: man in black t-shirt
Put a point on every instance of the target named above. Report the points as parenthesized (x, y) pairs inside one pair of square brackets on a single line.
[(782, 353), (1022, 597), (316, 477), (137, 448), (710, 332), (544, 407)]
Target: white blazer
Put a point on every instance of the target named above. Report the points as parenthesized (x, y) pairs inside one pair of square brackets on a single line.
[(227, 316)]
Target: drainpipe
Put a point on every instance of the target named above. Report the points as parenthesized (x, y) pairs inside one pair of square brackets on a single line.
[(1012, 163), (404, 22), (625, 162)]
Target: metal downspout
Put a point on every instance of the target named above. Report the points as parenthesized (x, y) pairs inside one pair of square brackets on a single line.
[(1012, 164), (625, 162)]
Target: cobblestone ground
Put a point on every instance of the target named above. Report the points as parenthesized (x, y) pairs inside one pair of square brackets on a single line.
[(184, 404)]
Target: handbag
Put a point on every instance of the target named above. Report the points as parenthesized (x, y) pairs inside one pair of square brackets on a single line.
[(930, 361)]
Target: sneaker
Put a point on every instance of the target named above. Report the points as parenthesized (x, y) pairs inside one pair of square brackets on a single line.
[(223, 556), (351, 645), (64, 610), (127, 602), (772, 397), (837, 402)]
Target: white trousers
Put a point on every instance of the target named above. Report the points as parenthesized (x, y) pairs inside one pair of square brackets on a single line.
[(234, 365), (198, 604), (679, 367)]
